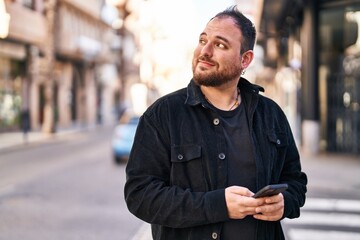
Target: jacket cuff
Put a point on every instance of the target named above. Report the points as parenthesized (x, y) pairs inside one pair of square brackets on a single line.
[(217, 209), (290, 211)]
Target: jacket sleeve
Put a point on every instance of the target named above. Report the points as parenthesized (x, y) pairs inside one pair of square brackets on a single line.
[(292, 174), (280, 159), (148, 192)]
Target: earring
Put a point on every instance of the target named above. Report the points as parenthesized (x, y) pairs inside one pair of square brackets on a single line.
[(243, 72)]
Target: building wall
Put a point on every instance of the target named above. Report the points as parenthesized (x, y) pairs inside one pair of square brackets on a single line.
[(21, 46), (26, 33), (68, 44), (85, 43), (63, 78), (323, 34), (339, 76)]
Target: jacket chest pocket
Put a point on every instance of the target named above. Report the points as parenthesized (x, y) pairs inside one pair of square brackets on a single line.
[(279, 139), (278, 145), (187, 167)]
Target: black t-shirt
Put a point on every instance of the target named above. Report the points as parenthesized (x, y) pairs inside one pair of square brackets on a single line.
[(241, 168)]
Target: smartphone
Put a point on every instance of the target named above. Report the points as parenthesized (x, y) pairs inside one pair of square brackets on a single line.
[(271, 190)]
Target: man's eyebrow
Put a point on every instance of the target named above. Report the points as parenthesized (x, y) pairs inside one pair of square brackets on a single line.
[(223, 39), (218, 37)]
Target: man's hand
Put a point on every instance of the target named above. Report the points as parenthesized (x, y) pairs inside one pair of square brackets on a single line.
[(240, 203), (272, 209)]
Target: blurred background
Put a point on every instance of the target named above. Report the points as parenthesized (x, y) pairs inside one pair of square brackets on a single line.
[(82, 66), (67, 64)]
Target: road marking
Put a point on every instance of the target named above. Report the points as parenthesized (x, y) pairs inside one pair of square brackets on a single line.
[(7, 189), (302, 234), (144, 233), (332, 205), (326, 219), (340, 213)]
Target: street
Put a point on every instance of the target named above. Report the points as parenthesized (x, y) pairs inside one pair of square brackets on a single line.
[(332, 208), (69, 188), (330, 219)]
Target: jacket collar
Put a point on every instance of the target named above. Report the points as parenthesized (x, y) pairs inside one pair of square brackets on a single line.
[(195, 96)]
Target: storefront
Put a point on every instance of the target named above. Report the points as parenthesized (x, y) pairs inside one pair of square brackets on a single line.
[(11, 97), (339, 76), (20, 45), (327, 36)]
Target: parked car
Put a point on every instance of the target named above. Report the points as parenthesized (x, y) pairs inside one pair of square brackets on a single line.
[(123, 139)]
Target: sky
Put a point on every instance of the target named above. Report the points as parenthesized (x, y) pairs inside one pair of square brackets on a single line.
[(180, 23), (207, 9), (190, 14)]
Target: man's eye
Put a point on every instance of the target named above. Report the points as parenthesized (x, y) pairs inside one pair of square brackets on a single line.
[(201, 41), (220, 45)]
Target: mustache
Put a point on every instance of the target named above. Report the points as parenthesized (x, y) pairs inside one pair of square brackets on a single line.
[(206, 59)]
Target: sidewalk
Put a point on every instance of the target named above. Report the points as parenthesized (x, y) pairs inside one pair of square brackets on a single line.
[(334, 174), (9, 141)]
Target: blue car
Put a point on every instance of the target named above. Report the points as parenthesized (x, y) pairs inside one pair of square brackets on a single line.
[(123, 139)]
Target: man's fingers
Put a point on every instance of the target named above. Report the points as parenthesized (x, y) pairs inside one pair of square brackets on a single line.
[(241, 191), (273, 209)]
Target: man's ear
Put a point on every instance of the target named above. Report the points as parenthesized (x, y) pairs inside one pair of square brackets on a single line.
[(247, 58)]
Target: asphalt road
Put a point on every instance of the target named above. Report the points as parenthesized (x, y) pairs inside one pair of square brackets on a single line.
[(66, 188)]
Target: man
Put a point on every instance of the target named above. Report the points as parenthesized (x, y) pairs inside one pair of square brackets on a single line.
[(201, 152)]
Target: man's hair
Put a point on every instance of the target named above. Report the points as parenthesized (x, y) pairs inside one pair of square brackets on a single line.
[(246, 27)]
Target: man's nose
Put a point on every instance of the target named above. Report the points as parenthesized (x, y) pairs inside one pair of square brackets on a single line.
[(207, 50)]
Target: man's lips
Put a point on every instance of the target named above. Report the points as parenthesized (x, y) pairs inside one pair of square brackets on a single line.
[(206, 63)]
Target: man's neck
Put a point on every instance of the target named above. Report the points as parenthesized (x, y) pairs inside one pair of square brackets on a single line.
[(223, 98)]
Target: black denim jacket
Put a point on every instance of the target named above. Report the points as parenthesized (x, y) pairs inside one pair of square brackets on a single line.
[(177, 170)]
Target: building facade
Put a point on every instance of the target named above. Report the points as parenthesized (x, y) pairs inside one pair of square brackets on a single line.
[(17, 49), (86, 79), (311, 52), (59, 65)]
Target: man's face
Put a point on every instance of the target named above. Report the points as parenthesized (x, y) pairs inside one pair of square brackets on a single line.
[(217, 58)]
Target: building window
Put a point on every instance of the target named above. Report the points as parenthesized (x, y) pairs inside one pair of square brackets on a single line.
[(11, 73), (339, 78)]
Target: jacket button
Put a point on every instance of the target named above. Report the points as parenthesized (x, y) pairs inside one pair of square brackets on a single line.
[(222, 156), (180, 156), (214, 235), (216, 121), (278, 141)]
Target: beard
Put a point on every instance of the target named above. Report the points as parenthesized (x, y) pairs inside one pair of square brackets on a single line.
[(215, 78)]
